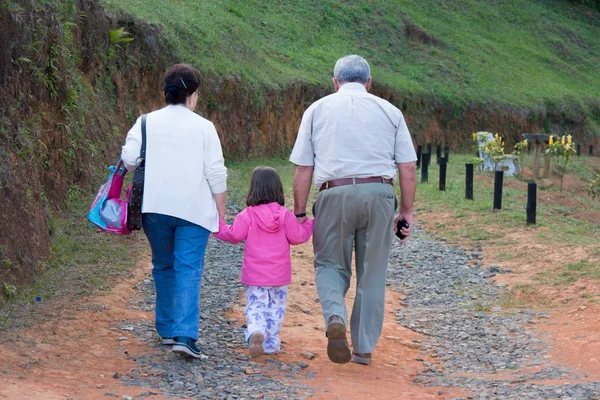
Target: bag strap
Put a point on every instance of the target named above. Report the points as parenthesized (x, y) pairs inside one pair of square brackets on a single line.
[(143, 149), (134, 214)]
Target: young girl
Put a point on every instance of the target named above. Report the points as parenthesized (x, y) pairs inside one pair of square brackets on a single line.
[(268, 228)]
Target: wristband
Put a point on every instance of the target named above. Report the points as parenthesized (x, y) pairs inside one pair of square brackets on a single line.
[(300, 215)]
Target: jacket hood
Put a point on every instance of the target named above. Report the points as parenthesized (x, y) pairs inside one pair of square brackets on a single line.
[(268, 216)]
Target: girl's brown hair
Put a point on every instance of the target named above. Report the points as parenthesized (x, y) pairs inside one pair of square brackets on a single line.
[(265, 187), (179, 82)]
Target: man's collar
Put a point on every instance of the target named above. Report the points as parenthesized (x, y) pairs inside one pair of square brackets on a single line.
[(352, 86)]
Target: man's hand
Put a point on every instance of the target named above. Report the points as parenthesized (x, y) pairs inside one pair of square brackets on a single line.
[(408, 217), (408, 187)]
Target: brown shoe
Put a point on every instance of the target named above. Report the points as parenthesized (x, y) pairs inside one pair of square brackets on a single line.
[(255, 341), (362, 358), (337, 345)]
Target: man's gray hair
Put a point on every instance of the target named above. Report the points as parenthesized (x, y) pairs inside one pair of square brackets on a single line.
[(352, 69)]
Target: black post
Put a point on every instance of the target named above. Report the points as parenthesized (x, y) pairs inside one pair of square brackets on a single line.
[(438, 153), (531, 202), (498, 179), (429, 154), (419, 154), (443, 173), (469, 182), (591, 150), (447, 154), (425, 168)]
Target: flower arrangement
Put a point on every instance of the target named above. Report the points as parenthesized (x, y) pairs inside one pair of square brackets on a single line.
[(494, 148), (561, 152)]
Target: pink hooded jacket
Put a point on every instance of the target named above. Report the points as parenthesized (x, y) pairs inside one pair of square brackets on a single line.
[(268, 229)]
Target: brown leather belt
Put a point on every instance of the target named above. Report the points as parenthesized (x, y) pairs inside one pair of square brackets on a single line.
[(355, 181)]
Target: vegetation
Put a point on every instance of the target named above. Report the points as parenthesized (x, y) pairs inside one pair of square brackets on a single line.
[(561, 152), (518, 52), (84, 260)]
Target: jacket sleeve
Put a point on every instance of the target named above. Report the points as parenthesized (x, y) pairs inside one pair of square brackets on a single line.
[(298, 233), (234, 233), (214, 165), (130, 154)]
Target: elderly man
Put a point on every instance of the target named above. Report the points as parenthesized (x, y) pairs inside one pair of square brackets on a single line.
[(353, 141)]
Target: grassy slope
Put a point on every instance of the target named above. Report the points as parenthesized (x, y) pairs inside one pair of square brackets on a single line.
[(518, 52)]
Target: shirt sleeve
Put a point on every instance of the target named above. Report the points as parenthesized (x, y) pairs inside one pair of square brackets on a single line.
[(214, 164), (404, 149), (130, 153), (298, 233), (303, 153), (233, 233)]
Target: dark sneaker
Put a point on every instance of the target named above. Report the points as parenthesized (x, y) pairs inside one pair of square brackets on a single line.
[(167, 341), (362, 358), (337, 344), (255, 343), (186, 346)]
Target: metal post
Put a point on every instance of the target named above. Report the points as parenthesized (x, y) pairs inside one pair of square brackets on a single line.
[(469, 182), (578, 150), (531, 202), (447, 154), (438, 153), (425, 168), (591, 150), (443, 174), (419, 155), (498, 180)]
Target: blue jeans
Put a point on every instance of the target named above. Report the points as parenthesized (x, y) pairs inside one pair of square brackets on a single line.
[(178, 248)]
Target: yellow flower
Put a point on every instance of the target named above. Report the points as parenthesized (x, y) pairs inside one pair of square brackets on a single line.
[(569, 138), (474, 136), (551, 140), (563, 140), (525, 141), (568, 146), (496, 136)]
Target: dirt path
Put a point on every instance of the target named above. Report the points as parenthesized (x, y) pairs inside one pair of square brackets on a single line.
[(74, 351)]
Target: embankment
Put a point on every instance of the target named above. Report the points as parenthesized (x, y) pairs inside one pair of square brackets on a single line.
[(71, 84)]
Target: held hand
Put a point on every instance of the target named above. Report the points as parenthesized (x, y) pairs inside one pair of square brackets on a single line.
[(302, 220), (408, 217)]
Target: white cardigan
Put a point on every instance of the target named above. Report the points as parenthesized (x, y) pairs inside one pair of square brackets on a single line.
[(184, 165)]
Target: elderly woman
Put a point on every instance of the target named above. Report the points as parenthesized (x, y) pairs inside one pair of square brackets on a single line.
[(184, 197)]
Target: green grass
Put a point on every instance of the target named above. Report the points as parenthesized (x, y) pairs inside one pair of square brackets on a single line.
[(83, 261), (563, 228), (584, 269), (518, 52), (484, 223)]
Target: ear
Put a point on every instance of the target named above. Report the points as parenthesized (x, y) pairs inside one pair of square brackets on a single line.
[(368, 84), (336, 84)]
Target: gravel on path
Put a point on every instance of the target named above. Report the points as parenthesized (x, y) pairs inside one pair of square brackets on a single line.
[(225, 372), (470, 340)]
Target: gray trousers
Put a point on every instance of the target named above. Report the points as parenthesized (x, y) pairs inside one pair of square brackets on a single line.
[(358, 217)]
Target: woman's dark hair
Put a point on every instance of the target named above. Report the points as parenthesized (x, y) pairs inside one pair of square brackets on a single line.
[(265, 187), (179, 82)]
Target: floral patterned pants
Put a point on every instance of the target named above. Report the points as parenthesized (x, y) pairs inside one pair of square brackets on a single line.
[(265, 308)]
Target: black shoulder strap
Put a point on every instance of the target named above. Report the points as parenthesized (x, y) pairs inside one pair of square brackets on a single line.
[(143, 149), (134, 214)]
